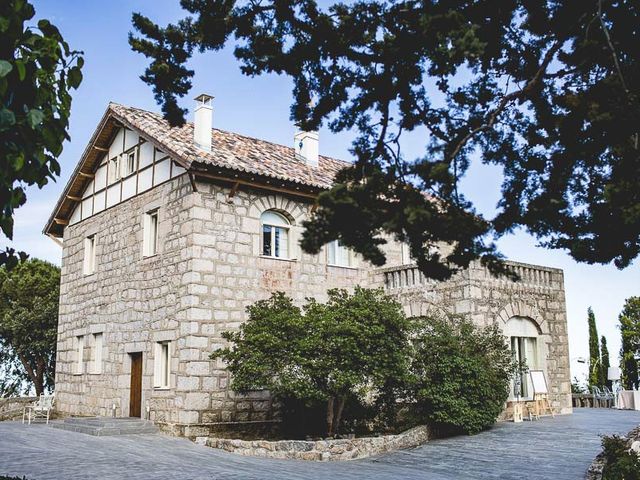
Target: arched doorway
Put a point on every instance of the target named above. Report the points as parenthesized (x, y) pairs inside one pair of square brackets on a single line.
[(527, 347)]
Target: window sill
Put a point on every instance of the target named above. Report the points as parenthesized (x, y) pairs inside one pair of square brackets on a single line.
[(87, 275), (267, 257), (521, 399), (347, 267), (77, 374), (161, 389), (145, 257)]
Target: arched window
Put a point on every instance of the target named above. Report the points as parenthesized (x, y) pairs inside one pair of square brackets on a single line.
[(275, 235)]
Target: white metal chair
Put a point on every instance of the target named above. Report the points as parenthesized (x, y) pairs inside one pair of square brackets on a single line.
[(39, 409)]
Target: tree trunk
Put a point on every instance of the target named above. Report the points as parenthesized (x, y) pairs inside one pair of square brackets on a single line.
[(330, 404), (338, 416), (39, 383), (32, 375)]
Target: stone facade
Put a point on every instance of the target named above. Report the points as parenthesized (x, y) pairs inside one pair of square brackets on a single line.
[(207, 271), (538, 297), (208, 268)]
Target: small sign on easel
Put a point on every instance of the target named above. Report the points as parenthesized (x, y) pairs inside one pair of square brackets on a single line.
[(540, 393)]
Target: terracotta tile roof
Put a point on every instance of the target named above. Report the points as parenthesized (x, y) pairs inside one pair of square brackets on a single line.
[(231, 150)]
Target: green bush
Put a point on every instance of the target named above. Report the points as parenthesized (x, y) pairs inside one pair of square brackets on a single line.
[(460, 374), (620, 463), (353, 347), (356, 364)]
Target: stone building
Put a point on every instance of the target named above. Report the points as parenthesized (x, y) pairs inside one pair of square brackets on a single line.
[(169, 233)]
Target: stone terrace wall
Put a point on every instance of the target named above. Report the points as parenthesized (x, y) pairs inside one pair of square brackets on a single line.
[(475, 293), (12, 407), (322, 450)]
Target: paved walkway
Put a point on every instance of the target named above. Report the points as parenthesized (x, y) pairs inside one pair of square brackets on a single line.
[(559, 448)]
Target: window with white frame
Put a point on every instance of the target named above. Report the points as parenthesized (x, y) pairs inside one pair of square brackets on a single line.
[(162, 365), (338, 254), (275, 235), (79, 354), (97, 353), (130, 164), (150, 233), (524, 351), (114, 169), (89, 264)]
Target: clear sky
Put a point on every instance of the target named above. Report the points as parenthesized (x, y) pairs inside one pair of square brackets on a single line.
[(260, 107)]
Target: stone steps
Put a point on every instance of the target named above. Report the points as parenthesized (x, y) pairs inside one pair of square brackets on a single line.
[(103, 426)]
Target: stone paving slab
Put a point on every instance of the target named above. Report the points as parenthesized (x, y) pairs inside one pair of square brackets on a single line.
[(559, 448), (103, 426)]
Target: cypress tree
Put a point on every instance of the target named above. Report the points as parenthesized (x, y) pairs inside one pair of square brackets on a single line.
[(594, 350), (630, 331), (604, 361)]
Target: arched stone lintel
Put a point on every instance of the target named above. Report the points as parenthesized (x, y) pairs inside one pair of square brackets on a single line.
[(288, 208), (522, 309)]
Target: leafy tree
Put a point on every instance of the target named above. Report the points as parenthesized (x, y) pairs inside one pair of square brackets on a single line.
[(604, 363), (546, 90), (461, 374), (354, 345), (12, 382), (594, 350), (37, 72), (29, 319), (630, 351)]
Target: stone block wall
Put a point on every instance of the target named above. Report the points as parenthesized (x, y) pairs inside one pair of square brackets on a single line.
[(133, 301), (12, 407), (227, 274), (475, 293), (207, 271)]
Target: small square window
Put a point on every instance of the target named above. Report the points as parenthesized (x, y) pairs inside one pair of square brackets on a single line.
[(150, 241), (338, 254), (89, 265), (162, 365)]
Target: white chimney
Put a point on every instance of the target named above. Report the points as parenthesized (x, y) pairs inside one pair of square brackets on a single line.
[(306, 147), (202, 122)]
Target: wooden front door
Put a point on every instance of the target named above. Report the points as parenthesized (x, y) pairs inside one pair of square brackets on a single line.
[(135, 399)]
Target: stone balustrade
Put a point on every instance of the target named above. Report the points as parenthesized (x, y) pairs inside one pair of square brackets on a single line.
[(530, 276)]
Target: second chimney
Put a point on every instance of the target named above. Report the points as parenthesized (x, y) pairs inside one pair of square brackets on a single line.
[(203, 122), (306, 147)]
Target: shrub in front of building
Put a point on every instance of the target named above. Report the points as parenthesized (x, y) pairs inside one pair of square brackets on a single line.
[(356, 364), (460, 374), (325, 357)]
